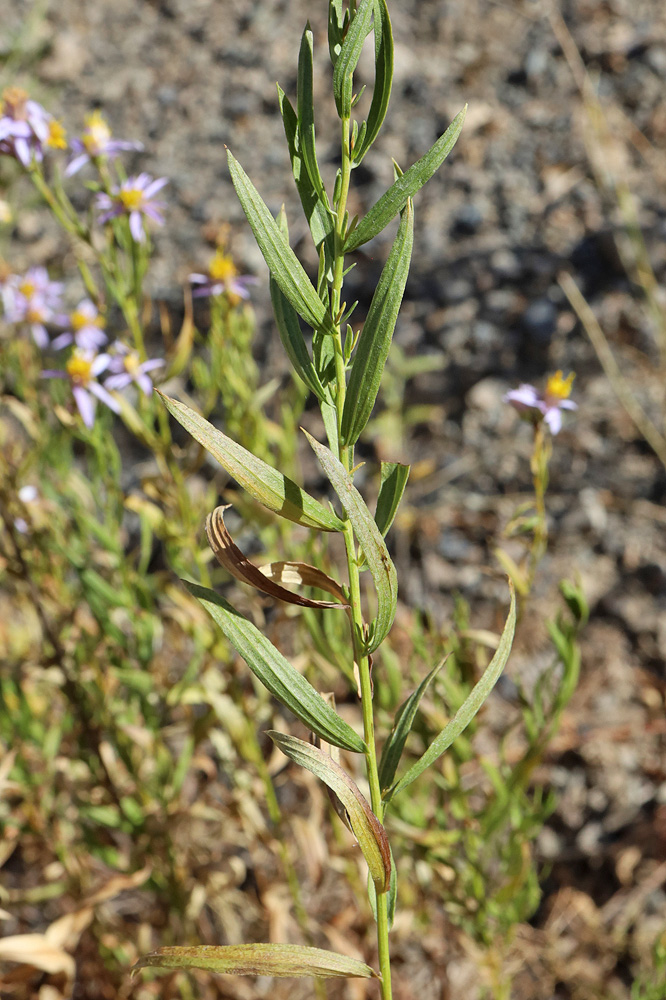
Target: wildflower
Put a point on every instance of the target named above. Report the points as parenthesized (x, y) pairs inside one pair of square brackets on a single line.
[(82, 370), (96, 141), (26, 128), (27, 495), (127, 367), (134, 198), (222, 277), (86, 328), (33, 299), (546, 406)]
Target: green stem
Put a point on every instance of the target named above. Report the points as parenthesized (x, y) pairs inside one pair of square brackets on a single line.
[(346, 456)]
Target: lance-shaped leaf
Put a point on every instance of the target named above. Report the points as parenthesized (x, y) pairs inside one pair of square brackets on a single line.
[(375, 339), (406, 186), (370, 538), (365, 826), (282, 262), (277, 674), (337, 23), (305, 108), (383, 81), (392, 485), (318, 214), (468, 709), (402, 727), (350, 53), (265, 578), (285, 960), (270, 487), (290, 331)]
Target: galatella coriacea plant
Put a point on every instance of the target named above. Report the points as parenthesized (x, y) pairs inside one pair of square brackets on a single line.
[(343, 369)]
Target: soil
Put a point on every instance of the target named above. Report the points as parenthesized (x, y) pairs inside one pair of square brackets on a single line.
[(531, 191)]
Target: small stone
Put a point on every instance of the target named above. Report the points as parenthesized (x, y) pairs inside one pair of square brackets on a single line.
[(540, 319)]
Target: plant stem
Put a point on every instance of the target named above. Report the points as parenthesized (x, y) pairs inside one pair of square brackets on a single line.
[(361, 658)]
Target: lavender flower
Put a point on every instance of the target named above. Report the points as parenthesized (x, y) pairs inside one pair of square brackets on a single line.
[(82, 370), (86, 328), (222, 278), (26, 128), (134, 197), (95, 142), (33, 299), (127, 367), (546, 406)]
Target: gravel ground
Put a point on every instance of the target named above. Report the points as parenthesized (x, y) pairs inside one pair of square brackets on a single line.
[(526, 194)]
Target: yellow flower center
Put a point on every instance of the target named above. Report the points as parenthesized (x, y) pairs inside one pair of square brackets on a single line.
[(79, 319), (222, 267), (27, 288), (34, 315), (131, 362), (97, 133), (78, 369), (56, 138), (558, 387), (14, 101), (131, 198)]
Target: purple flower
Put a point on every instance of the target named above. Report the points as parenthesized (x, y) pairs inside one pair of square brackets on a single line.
[(82, 370), (127, 367), (222, 278), (33, 299), (96, 141), (546, 406), (86, 328), (26, 128), (134, 197)]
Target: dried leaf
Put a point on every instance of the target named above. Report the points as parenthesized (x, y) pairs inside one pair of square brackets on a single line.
[(287, 960), (235, 562)]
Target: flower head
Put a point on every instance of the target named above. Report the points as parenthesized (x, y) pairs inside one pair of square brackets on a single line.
[(34, 299), (127, 367), (134, 197), (82, 370), (85, 328), (26, 128), (546, 406), (95, 142), (222, 278)]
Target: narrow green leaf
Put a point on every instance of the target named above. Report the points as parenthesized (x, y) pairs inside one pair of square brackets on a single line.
[(406, 186), (337, 22), (270, 487), (319, 216), (402, 727), (277, 674), (468, 709), (375, 339), (365, 826), (392, 897), (369, 536), (290, 331), (282, 262), (392, 485), (350, 53), (383, 81), (305, 109), (285, 960)]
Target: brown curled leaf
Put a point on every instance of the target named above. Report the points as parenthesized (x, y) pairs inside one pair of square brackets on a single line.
[(264, 579)]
